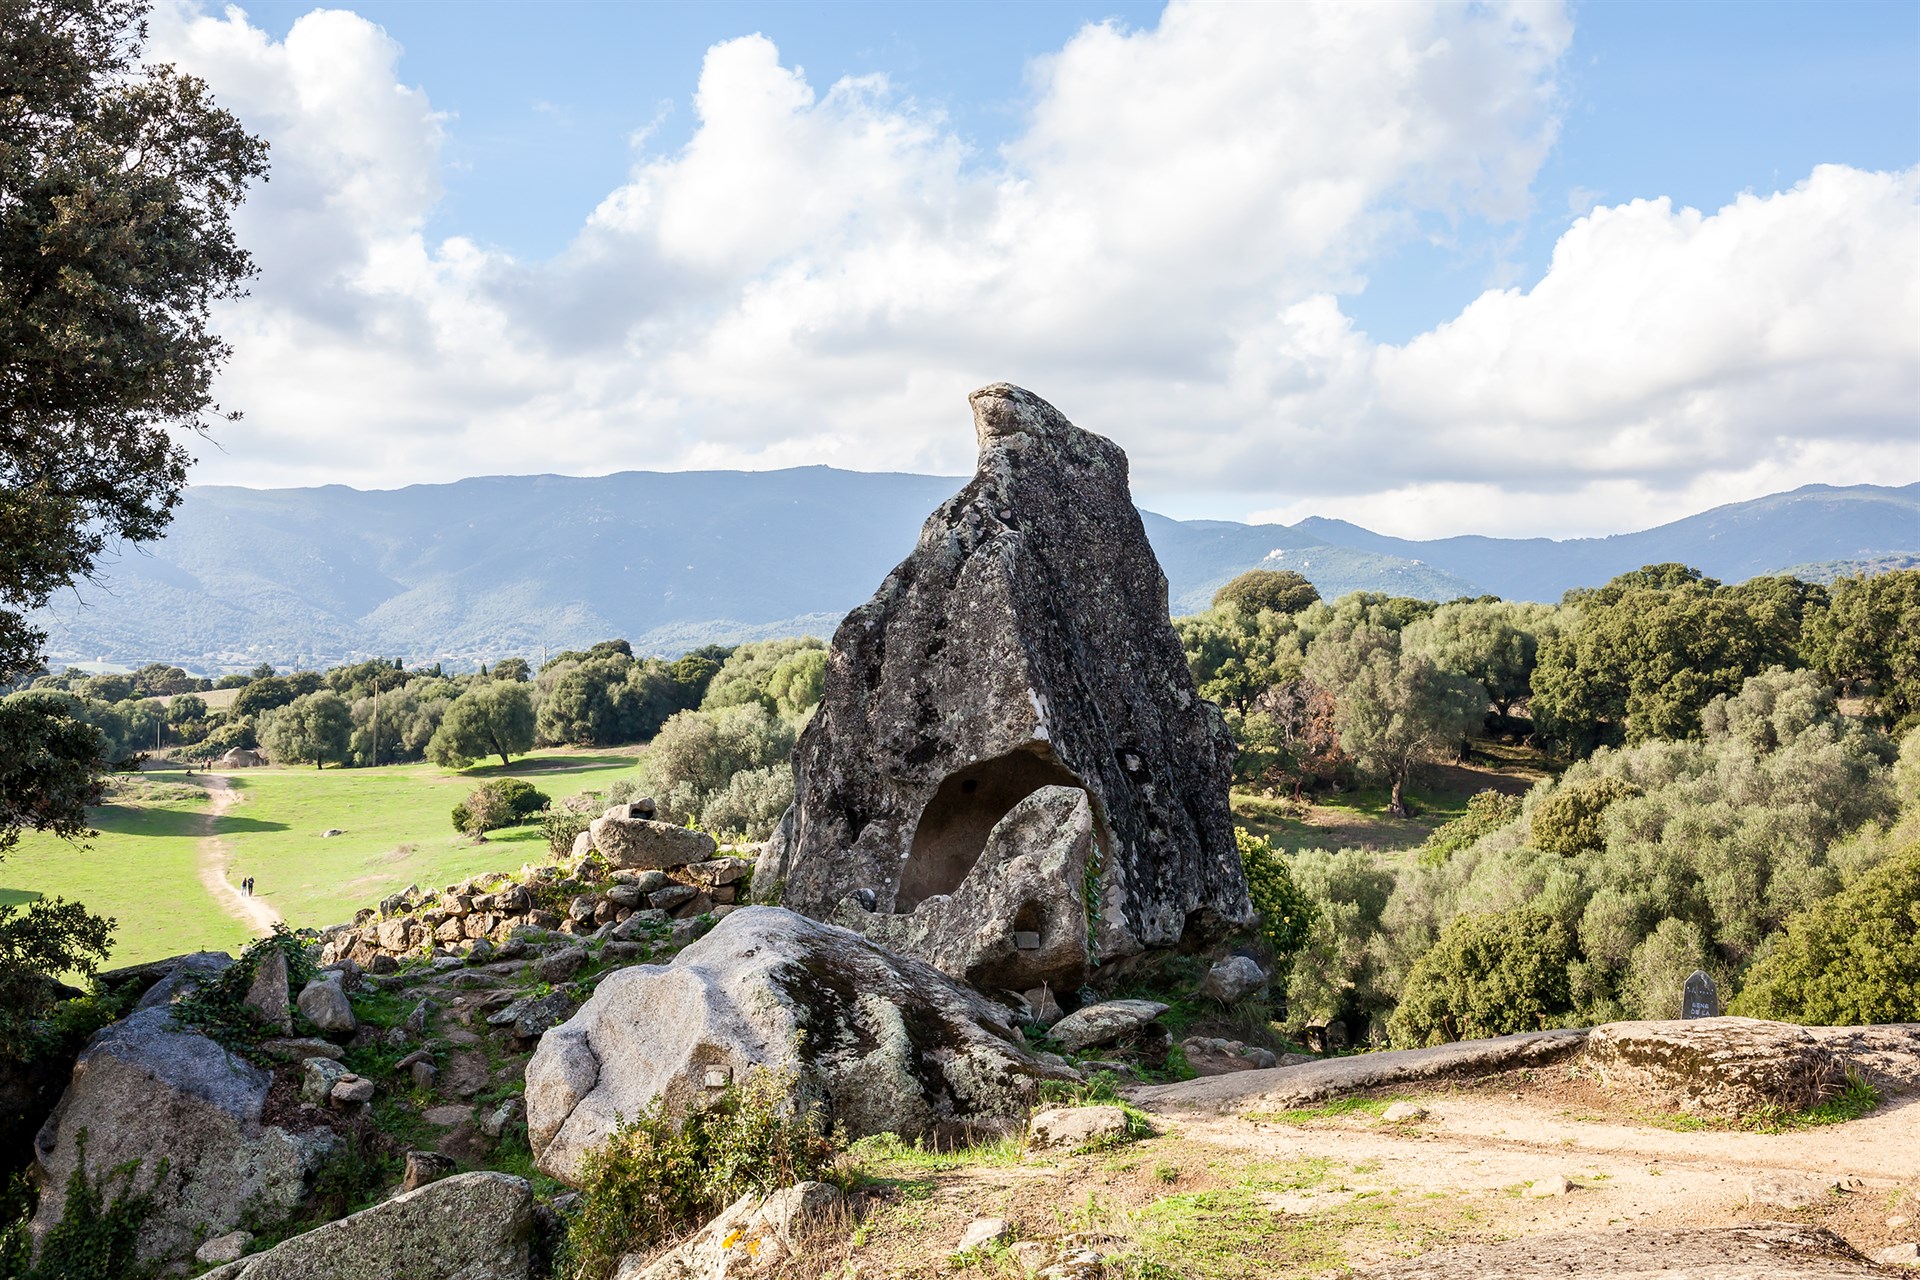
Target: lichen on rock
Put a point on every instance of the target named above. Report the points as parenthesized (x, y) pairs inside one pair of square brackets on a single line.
[(882, 1043)]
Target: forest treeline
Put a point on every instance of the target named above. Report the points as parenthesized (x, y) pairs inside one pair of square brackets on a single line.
[(1730, 755), (1741, 796)]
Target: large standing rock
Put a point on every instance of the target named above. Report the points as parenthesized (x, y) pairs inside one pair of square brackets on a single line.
[(324, 1003), (476, 1226), (643, 844), (884, 1042), (1024, 643), (1019, 919), (148, 1090), (1725, 1066), (266, 996)]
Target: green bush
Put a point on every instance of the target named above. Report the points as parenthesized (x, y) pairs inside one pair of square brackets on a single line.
[(49, 938), (1850, 960), (503, 802), (1487, 811), (1568, 821), (561, 827), (522, 796), (657, 1175), (695, 756), (1286, 914), (750, 805), (1488, 975)]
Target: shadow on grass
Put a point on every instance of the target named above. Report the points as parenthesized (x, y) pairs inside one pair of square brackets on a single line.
[(550, 764), (19, 897), (227, 825), (138, 820)]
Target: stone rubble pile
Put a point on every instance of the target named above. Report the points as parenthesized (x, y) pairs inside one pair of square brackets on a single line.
[(627, 866)]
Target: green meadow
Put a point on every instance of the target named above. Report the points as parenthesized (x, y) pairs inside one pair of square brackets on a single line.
[(142, 867)]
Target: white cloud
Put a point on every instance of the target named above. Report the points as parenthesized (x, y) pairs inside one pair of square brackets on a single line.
[(820, 274)]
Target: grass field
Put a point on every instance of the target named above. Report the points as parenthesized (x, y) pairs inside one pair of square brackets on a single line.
[(396, 824), (142, 869)]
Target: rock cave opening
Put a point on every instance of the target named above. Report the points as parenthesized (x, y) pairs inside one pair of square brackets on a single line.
[(953, 828)]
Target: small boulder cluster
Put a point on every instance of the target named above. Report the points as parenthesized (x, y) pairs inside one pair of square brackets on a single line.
[(625, 867)]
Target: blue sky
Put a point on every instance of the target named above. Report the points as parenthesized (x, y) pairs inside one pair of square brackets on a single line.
[(520, 120), (1697, 101)]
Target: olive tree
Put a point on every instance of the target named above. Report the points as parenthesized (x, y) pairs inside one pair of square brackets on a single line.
[(1395, 709), (491, 718), (312, 729)]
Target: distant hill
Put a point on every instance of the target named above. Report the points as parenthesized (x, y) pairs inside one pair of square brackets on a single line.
[(1732, 543), (497, 565)]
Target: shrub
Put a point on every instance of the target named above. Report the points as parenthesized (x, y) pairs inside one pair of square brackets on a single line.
[(697, 753), (1487, 811), (562, 827), (655, 1176), (751, 804), (1662, 964), (49, 938), (1568, 821), (1850, 960), (522, 796), (1336, 973), (500, 803), (1488, 975), (1286, 914)]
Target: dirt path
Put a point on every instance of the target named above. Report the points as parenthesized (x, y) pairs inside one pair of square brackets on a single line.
[(254, 912), (1486, 1148)]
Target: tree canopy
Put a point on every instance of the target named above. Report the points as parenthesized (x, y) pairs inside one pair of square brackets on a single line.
[(1278, 590), (491, 718), (118, 181)]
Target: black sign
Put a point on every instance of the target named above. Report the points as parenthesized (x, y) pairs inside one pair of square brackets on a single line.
[(1700, 1000)]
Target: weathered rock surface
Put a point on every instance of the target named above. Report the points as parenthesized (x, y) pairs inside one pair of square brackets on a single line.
[(982, 1232), (1109, 1022), (646, 845), (884, 1042), (324, 1003), (1233, 979), (752, 1235), (267, 996), (1723, 1066), (475, 1226), (1075, 1128), (227, 1248), (1212, 1056), (1300, 1084), (184, 976), (1023, 644), (1019, 919), (1762, 1251), (1887, 1054), (147, 1090)]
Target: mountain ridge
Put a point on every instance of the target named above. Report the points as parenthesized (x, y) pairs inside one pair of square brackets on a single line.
[(476, 569)]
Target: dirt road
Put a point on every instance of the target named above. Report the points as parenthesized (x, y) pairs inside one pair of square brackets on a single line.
[(253, 911), (1539, 1151)]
